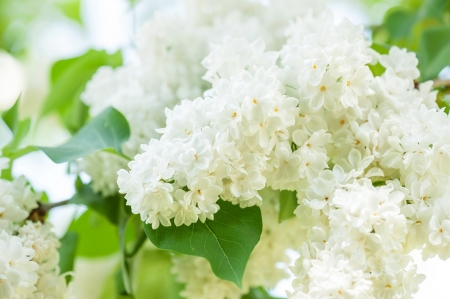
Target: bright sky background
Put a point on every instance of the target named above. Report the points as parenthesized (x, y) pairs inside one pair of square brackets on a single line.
[(110, 24)]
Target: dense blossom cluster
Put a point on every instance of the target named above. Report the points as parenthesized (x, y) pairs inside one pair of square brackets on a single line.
[(368, 155), (28, 251), (171, 48)]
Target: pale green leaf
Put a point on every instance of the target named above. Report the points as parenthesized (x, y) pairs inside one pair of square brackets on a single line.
[(97, 237), (108, 130), (288, 204)]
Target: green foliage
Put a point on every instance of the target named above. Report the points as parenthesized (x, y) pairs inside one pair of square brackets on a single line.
[(435, 51), (97, 237), (70, 8), (153, 276), (226, 242), (288, 204), (19, 128), (107, 131), (11, 117), (69, 78), (67, 252), (108, 207), (422, 27), (12, 131), (377, 69), (399, 22), (258, 293), (443, 99), (5, 133)]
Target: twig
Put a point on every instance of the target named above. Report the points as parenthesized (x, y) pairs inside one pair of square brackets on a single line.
[(41, 211), (439, 83)]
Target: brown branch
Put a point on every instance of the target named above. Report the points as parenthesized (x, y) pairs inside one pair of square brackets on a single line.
[(440, 83), (42, 210)]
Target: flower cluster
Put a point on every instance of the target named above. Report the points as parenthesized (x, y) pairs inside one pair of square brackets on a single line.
[(170, 49), (28, 252), (368, 155)]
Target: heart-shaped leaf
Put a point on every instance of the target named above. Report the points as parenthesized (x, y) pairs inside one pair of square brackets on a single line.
[(226, 242)]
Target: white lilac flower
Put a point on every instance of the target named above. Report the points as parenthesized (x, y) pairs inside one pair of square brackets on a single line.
[(16, 202), (38, 237), (18, 274), (368, 156), (172, 49)]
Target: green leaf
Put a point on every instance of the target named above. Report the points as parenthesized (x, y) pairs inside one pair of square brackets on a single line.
[(258, 293), (108, 207), (434, 51), (381, 48), (70, 75), (379, 183), (377, 69), (18, 128), (433, 9), (5, 133), (70, 8), (20, 132), (97, 237), (443, 99), (107, 131), (153, 276), (11, 117), (67, 252), (69, 78), (399, 21), (226, 242), (288, 204), (121, 292)]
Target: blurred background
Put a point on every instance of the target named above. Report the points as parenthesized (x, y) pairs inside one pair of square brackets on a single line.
[(34, 34)]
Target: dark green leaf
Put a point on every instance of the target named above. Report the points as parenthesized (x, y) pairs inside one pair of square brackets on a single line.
[(226, 242), (108, 130), (258, 293), (67, 252), (108, 207), (97, 237), (288, 204)]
